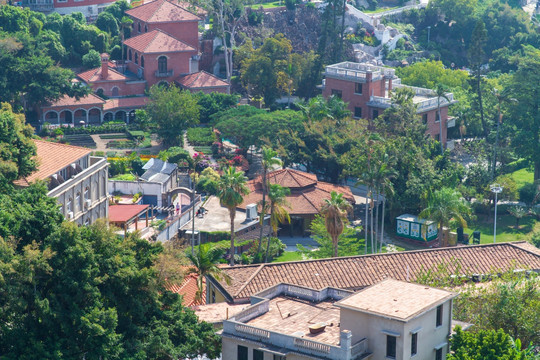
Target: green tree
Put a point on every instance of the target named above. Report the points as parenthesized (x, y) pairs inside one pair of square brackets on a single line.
[(173, 111), (335, 211), (518, 212), (277, 195), (525, 114), (17, 148), (91, 60), (429, 73), (213, 103), (445, 205), (268, 160), (383, 182), (348, 242), (476, 56), (231, 191), (204, 264), (106, 22), (485, 344), (441, 93)]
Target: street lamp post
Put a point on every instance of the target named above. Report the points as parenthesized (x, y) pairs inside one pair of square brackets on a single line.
[(496, 189), (428, 33)]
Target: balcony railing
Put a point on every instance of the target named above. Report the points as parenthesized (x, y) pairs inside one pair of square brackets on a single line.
[(161, 74), (41, 7)]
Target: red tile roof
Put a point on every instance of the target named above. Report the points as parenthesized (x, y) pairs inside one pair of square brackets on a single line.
[(157, 41), (90, 99), (307, 193), (357, 272), (197, 10), (161, 11), (124, 213), (201, 80), (95, 75), (52, 157), (130, 102), (188, 289)]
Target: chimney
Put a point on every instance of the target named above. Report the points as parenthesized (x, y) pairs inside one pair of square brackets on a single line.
[(104, 66)]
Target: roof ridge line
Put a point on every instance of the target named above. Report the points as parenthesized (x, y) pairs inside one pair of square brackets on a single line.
[(513, 244), (249, 279)]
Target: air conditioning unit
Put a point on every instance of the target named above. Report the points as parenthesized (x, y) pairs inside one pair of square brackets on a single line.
[(251, 212), (70, 215), (88, 203)]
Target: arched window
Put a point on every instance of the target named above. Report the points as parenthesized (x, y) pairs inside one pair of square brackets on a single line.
[(142, 61), (114, 91), (136, 58), (162, 64), (86, 193), (95, 190), (78, 202), (103, 186), (69, 206), (139, 27), (129, 54), (145, 28)]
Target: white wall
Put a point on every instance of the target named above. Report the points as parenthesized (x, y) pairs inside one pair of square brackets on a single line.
[(134, 187)]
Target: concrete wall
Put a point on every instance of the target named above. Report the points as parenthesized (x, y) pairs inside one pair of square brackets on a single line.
[(89, 8), (94, 180), (133, 187), (230, 350)]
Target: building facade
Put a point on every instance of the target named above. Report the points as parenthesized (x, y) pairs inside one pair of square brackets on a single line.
[(390, 320), (89, 8), (77, 180), (367, 89)]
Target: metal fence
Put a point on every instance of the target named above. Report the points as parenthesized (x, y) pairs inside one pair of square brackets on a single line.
[(178, 221)]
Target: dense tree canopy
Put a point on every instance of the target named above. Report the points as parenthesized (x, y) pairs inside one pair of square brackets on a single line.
[(73, 292)]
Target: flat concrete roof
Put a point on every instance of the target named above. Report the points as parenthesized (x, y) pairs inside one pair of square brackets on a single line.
[(290, 316), (399, 300)]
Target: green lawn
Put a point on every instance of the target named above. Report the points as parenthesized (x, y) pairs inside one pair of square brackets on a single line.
[(380, 10), (289, 256), (522, 177), (506, 230), (268, 5)]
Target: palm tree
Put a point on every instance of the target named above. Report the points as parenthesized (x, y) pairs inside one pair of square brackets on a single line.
[(125, 23), (204, 263), (335, 211), (277, 195), (518, 212), (383, 176), (268, 159), (440, 91), (231, 191), (503, 96), (445, 205)]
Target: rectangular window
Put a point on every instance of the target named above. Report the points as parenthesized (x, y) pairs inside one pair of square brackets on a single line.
[(424, 119), (337, 93), (390, 346), (414, 344), (357, 112), (437, 116), (279, 357), (375, 114), (439, 315), (358, 88), (438, 354), (213, 296), (242, 353), (258, 355)]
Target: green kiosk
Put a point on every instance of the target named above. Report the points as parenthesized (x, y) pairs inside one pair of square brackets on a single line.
[(420, 230)]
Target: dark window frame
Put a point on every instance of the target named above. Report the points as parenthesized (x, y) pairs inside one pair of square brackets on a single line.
[(414, 344), (438, 354), (338, 93), (391, 346), (162, 64), (439, 316), (258, 354), (242, 352), (357, 111), (358, 86)]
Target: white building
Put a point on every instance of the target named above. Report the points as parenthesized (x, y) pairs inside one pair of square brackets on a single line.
[(390, 320), (77, 180)]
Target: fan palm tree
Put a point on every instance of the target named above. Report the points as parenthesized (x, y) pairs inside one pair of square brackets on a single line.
[(518, 212), (334, 211), (445, 205), (268, 160), (231, 191), (440, 92), (278, 205), (204, 263)]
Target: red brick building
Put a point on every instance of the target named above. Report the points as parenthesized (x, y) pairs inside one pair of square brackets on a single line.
[(367, 89), (163, 49)]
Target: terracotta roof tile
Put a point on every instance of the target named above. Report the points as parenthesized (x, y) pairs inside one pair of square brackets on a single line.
[(89, 99), (357, 272), (307, 193), (200, 80), (130, 102), (52, 157), (95, 75), (157, 41), (162, 11), (188, 289)]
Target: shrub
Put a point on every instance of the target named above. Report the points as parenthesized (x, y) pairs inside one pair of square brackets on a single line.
[(277, 247), (528, 192), (201, 136), (91, 60), (536, 239)]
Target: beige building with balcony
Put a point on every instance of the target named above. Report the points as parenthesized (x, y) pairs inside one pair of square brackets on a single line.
[(77, 180), (389, 320)]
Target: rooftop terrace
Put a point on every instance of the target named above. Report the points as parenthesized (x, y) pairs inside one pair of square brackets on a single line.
[(358, 71)]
